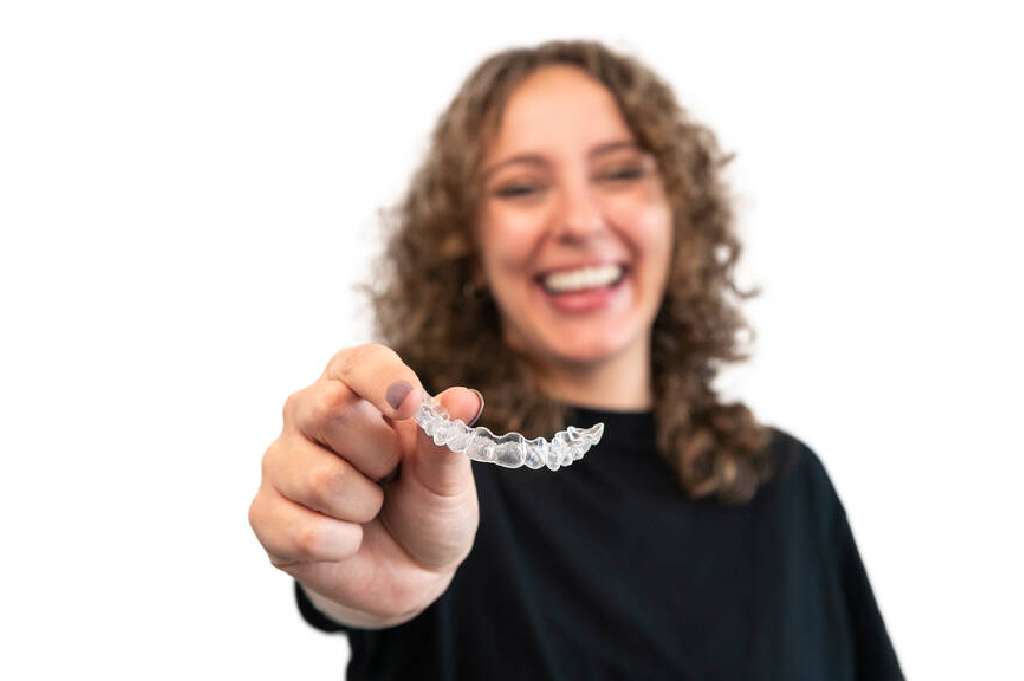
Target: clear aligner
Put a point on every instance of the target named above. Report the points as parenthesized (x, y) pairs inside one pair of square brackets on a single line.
[(511, 450)]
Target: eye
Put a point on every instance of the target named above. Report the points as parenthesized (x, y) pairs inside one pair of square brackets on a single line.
[(624, 173), (518, 190)]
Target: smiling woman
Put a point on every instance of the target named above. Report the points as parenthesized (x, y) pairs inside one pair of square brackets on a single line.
[(567, 248), (577, 257), (552, 169)]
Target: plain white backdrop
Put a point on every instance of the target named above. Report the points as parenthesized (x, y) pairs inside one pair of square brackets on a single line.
[(189, 190)]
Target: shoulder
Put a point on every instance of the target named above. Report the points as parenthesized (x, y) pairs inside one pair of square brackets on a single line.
[(796, 462), (800, 481)]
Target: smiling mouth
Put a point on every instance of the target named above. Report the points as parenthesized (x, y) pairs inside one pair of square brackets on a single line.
[(582, 279)]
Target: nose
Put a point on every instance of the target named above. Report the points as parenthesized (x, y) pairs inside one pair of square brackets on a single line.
[(580, 216)]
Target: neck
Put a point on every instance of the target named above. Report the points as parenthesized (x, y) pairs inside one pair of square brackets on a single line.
[(619, 382)]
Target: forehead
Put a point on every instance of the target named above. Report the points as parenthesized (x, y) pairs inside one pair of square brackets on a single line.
[(558, 108)]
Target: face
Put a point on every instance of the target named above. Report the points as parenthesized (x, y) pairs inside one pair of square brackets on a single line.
[(575, 229)]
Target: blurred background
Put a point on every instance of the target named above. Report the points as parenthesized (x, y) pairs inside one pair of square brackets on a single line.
[(190, 190)]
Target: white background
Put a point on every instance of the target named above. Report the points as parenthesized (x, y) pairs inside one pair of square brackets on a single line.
[(189, 190)]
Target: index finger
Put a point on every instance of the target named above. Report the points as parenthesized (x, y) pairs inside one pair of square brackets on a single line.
[(378, 375)]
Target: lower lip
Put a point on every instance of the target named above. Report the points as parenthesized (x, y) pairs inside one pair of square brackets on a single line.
[(591, 300)]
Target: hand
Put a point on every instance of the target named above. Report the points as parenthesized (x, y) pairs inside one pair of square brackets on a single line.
[(385, 550)]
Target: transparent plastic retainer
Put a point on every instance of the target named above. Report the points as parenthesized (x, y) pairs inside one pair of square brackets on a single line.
[(511, 450)]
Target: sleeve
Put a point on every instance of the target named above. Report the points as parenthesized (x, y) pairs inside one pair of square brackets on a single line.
[(871, 646), (314, 617), (875, 654)]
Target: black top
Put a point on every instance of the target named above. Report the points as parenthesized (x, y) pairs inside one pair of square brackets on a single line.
[(606, 570)]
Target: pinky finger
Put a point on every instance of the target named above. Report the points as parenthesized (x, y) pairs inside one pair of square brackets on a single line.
[(292, 534)]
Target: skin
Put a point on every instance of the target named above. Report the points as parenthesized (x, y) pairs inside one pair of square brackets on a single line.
[(368, 553), (566, 185), (372, 549)]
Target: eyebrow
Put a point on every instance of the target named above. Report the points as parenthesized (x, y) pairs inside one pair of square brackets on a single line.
[(540, 160)]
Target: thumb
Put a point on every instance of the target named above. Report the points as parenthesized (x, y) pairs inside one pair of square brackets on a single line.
[(439, 469), (432, 510)]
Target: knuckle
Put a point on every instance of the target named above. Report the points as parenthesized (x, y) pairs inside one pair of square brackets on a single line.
[(366, 353), (266, 471), (372, 509), (266, 463), (328, 402), (326, 483), (354, 357), (253, 515), (317, 540), (309, 540), (290, 407), (258, 523)]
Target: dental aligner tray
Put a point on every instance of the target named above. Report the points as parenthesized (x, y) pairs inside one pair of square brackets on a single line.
[(511, 450)]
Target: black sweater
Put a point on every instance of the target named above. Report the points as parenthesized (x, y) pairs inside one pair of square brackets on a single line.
[(606, 570)]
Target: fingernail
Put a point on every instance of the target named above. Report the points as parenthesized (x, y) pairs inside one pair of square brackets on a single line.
[(481, 411), (396, 393)]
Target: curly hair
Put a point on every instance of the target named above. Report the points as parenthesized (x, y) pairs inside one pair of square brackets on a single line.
[(432, 307)]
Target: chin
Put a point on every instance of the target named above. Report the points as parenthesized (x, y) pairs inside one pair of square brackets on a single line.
[(589, 352), (572, 344)]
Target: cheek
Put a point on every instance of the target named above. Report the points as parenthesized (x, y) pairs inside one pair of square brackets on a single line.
[(654, 237), (651, 230), (509, 238)]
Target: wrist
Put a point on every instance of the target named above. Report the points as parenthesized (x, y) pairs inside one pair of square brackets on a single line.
[(362, 619)]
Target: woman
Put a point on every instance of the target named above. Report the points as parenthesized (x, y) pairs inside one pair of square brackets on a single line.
[(567, 249)]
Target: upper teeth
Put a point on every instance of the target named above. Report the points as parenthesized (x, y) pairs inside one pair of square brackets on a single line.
[(584, 277)]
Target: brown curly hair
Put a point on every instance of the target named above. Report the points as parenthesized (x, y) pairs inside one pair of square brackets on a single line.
[(432, 306)]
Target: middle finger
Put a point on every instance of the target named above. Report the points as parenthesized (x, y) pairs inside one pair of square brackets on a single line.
[(318, 479)]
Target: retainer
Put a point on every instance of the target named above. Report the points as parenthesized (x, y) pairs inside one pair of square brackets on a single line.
[(511, 450)]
